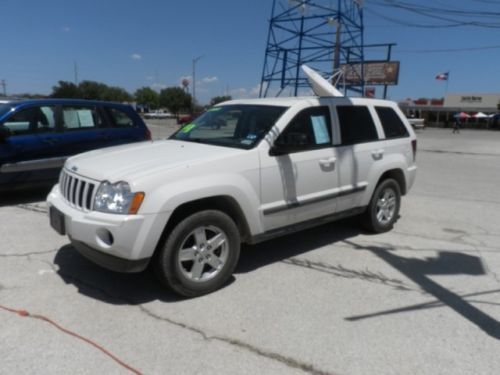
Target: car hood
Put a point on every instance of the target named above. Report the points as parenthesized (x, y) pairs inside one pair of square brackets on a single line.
[(133, 161)]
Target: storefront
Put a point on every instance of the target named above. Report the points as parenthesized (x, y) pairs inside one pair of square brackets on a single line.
[(480, 108)]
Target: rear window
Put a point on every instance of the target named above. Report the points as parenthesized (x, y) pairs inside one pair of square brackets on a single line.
[(356, 125), (391, 123)]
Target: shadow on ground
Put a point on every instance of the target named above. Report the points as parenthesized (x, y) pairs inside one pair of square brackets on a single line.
[(137, 288), (25, 196), (134, 289)]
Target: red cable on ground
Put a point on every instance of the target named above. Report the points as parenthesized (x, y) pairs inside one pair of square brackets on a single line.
[(25, 313)]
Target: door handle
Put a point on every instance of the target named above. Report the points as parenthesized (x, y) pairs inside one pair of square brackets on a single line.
[(327, 162), (378, 154)]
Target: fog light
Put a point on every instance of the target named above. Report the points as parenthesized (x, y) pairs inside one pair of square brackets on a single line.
[(104, 237)]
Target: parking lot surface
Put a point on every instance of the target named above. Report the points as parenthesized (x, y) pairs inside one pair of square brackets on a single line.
[(421, 299)]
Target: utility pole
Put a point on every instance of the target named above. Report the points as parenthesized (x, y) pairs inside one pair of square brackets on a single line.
[(76, 72), (4, 85), (195, 60)]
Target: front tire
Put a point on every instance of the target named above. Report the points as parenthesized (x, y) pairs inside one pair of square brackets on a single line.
[(200, 254), (383, 210)]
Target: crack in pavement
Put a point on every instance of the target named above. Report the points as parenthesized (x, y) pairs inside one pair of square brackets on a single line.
[(341, 271), (22, 255), (33, 207), (460, 153), (290, 362)]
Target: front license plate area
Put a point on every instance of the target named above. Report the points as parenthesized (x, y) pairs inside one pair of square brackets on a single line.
[(57, 220)]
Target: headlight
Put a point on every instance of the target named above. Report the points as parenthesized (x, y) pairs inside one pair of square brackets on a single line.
[(117, 198)]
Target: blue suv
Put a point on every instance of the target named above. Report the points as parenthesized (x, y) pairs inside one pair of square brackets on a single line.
[(36, 136)]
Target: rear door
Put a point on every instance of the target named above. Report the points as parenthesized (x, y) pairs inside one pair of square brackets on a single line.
[(359, 149), (123, 126), (84, 128)]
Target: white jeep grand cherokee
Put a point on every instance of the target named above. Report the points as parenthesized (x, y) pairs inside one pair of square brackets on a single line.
[(245, 171)]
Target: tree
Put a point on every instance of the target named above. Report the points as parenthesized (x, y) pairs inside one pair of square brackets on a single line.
[(175, 99), (219, 99), (147, 96), (65, 89), (90, 90), (116, 94)]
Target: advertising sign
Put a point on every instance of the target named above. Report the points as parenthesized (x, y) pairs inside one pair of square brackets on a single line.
[(376, 73)]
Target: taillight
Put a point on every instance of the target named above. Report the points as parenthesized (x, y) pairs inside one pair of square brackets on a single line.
[(414, 148), (148, 134)]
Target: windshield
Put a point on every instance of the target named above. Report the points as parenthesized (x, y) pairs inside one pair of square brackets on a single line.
[(241, 126)]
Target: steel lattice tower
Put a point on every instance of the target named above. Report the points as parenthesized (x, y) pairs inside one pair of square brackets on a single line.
[(321, 33)]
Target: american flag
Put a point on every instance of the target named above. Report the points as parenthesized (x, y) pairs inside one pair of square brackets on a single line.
[(442, 76)]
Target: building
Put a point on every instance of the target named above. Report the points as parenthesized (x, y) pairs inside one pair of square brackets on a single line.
[(438, 112)]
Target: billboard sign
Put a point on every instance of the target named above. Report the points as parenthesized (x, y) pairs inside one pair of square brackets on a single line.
[(376, 73)]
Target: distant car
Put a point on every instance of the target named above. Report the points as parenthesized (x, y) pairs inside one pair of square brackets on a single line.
[(158, 115), (36, 136), (417, 123)]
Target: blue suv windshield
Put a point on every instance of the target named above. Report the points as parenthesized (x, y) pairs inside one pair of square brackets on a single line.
[(241, 126)]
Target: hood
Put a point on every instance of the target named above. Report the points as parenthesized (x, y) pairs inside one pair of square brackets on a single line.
[(133, 161)]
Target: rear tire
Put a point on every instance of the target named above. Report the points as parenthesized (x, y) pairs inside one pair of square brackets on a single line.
[(199, 254), (383, 210)]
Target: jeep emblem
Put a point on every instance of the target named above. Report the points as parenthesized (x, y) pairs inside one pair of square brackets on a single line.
[(74, 168)]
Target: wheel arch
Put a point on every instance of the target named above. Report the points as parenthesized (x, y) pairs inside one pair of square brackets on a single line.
[(223, 203), (397, 175)]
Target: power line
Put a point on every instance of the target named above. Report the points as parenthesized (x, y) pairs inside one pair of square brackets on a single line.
[(467, 49)]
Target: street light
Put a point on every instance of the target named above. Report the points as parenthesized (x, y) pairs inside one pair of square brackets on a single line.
[(195, 60)]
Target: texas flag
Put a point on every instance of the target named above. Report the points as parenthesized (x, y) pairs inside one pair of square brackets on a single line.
[(442, 76)]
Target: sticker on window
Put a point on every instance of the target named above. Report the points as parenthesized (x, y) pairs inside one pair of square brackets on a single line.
[(252, 136), (246, 142), (320, 129), (214, 109), (186, 129)]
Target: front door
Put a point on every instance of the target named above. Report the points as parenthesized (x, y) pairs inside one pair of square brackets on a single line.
[(303, 183)]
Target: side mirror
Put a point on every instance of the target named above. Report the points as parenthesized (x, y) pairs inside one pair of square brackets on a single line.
[(292, 142), (4, 133)]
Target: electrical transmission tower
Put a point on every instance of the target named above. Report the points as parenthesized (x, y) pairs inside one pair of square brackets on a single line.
[(325, 34)]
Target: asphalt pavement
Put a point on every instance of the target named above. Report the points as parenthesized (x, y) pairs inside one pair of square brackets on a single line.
[(421, 299)]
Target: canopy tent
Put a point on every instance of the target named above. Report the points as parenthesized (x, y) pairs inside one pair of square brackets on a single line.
[(461, 115), (480, 115)]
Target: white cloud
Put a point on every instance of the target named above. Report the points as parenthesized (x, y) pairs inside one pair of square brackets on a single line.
[(136, 56), (239, 93), (65, 29), (158, 86), (149, 78), (212, 79)]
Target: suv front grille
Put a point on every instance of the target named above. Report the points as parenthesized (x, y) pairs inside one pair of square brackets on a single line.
[(79, 192)]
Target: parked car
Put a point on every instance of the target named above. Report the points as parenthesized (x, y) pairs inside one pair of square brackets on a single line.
[(36, 136), (417, 123), (158, 115), (275, 166)]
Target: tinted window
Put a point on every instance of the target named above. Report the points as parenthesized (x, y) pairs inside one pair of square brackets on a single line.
[(356, 125), (310, 129), (120, 118), (80, 118), (32, 120), (392, 124)]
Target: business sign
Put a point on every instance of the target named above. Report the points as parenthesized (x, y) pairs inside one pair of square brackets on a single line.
[(375, 73)]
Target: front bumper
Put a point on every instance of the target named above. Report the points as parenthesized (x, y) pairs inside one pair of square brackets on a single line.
[(123, 243)]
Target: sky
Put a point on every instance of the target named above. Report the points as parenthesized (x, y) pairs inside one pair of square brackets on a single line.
[(147, 43)]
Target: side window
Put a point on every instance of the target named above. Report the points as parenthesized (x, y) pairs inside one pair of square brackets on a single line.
[(120, 119), (81, 118), (35, 120), (310, 129), (356, 125), (392, 124)]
